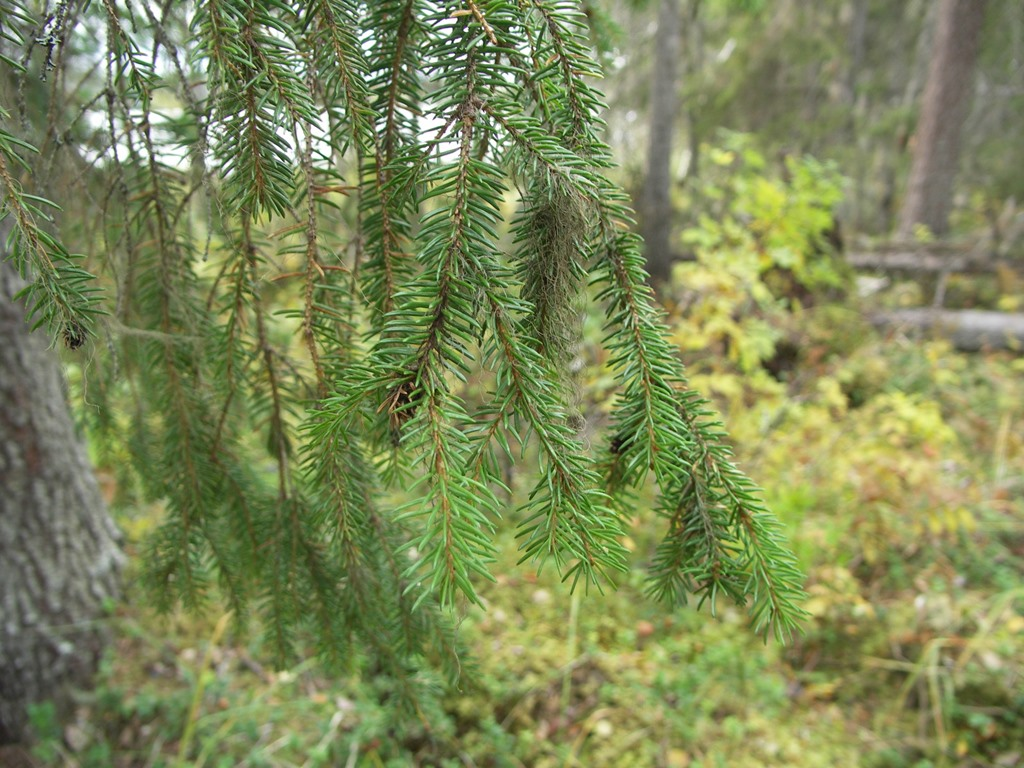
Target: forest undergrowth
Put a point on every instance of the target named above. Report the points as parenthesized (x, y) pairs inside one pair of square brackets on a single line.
[(895, 463)]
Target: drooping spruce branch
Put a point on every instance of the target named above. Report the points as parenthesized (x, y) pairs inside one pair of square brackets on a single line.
[(61, 295), (570, 517), (351, 259), (720, 539), (393, 78)]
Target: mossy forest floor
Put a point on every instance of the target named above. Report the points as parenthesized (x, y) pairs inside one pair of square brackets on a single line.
[(897, 467)]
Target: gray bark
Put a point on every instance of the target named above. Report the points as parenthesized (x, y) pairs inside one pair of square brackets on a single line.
[(944, 107), (930, 257), (656, 201), (59, 558), (856, 43), (968, 330)]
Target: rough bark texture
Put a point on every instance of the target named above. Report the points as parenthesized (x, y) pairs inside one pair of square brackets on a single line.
[(59, 559), (656, 200), (944, 107)]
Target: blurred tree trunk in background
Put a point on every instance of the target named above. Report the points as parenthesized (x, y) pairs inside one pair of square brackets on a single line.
[(59, 559), (693, 61), (656, 197), (944, 107), (856, 44)]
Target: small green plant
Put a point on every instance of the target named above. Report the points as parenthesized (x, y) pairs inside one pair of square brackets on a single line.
[(46, 727), (762, 252)]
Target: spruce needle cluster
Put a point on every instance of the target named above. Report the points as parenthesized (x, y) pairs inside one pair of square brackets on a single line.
[(295, 232)]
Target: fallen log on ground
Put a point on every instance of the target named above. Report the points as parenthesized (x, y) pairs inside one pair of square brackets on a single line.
[(930, 259), (969, 330)]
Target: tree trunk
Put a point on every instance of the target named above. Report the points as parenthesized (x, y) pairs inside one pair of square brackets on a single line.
[(856, 45), (656, 200), (59, 559), (944, 107)]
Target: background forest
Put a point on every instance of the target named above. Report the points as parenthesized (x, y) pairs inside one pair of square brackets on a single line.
[(767, 147)]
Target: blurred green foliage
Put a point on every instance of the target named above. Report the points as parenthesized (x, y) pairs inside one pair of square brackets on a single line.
[(896, 465)]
